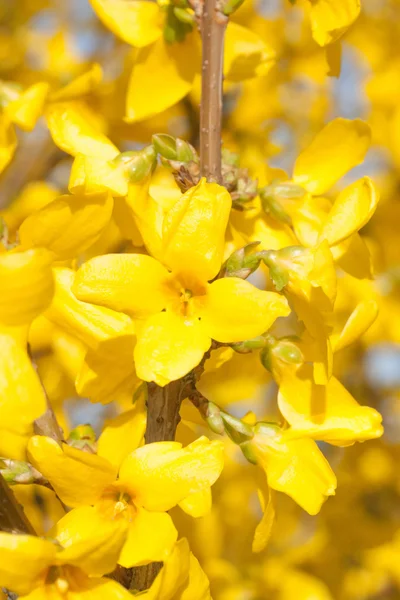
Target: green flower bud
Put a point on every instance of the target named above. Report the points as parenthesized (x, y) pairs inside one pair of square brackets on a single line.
[(214, 418), (18, 471), (165, 145), (249, 345), (238, 431), (185, 15), (230, 6), (138, 164), (83, 432), (242, 262), (248, 450), (273, 198), (283, 350)]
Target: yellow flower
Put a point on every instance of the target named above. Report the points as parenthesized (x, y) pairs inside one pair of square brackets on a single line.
[(135, 489), (295, 467), (330, 19), (179, 312), (175, 61), (27, 289), (40, 568), (181, 577)]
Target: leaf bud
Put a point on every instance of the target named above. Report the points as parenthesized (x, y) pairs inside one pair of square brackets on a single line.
[(214, 418), (273, 198), (242, 262), (18, 471), (249, 345), (83, 437), (237, 430), (138, 163), (230, 6), (174, 149), (280, 351)]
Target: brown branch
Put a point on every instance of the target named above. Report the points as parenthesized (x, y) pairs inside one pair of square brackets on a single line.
[(12, 516), (35, 156), (163, 404), (213, 25)]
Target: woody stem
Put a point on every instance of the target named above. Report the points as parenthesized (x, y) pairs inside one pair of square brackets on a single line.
[(213, 25), (12, 516)]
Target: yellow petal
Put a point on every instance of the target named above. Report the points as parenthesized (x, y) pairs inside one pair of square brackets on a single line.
[(22, 399), (91, 174), (28, 107), (80, 86), (8, 142), (295, 467), (123, 434), (353, 256), (173, 577), (69, 225), (136, 22), (331, 18), (33, 196), (73, 128), (91, 543), (27, 285), (23, 561), (173, 64), (357, 324), (77, 477), (340, 146), (90, 324), (108, 373), (168, 347), (263, 530), (351, 210), (325, 412), (163, 474), (235, 310), (197, 505), (194, 231), (151, 537), (148, 215), (246, 55), (13, 444), (226, 377), (132, 283)]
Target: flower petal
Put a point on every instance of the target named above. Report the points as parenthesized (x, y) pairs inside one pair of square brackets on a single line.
[(198, 504), (27, 285), (32, 553), (133, 283), (8, 142), (136, 22), (351, 210), (330, 19), (357, 324), (295, 467), (28, 107), (74, 129), (173, 577), (77, 477), (194, 231), (91, 543), (91, 174), (108, 373), (173, 64), (69, 225), (262, 533), (246, 55), (235, 310), (89, 323), (340, 146), (22, 398), (168, 347), (151, 537), (326, 412), (79, 86), (163, 474), (123, 434)]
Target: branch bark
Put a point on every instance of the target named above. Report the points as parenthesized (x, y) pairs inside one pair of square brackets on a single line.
[(12, 516), (163, 404), (213, 25)]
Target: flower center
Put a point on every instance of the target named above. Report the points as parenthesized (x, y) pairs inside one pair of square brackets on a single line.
[(117, 504)]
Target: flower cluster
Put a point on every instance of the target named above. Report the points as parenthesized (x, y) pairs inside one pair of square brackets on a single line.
[(211, 332)]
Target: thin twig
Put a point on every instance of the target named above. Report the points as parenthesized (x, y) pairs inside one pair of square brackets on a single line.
[(12, 516), (213, 25)]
